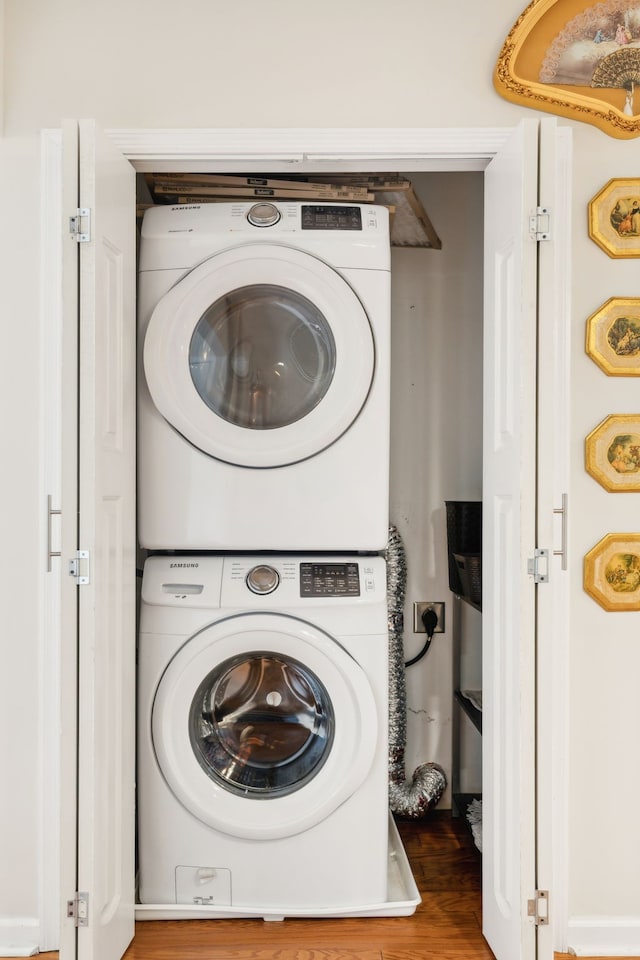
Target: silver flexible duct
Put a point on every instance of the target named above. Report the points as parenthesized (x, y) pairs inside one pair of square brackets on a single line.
[(414, 798)]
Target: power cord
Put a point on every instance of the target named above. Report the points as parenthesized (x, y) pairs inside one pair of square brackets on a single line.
[(430, 620)]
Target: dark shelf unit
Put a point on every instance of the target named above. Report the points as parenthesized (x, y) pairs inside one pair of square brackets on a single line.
[(471, 711), (461, 706)]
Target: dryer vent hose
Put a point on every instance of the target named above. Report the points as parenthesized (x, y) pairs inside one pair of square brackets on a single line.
[(407, 798)]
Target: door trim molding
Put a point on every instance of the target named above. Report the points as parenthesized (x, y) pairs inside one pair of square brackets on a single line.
[(606, 936), (417, 148), (19, 936)]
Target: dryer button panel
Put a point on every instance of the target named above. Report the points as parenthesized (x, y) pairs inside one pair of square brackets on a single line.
[(322, 217), (329, 580)]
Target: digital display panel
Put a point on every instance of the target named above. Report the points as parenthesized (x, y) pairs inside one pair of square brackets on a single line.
[(321, 217), (329, 580)]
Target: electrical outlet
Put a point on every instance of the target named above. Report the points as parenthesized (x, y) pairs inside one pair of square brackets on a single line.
[(418, 609)]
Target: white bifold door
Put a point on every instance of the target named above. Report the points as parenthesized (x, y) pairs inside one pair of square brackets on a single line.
[(509, 500), (525, 580), (98, 522), (98, 495)]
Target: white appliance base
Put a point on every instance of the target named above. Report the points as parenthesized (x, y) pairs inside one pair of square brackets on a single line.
[(402, 898)]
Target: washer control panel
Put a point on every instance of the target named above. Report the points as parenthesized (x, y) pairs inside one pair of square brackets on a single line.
[(329, 580), (301, 581)]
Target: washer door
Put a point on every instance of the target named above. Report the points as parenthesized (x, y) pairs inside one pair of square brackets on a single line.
[(263, 725), (261, 356)]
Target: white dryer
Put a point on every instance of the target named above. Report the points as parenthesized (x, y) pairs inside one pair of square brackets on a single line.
[(262, 744), (264, 377)]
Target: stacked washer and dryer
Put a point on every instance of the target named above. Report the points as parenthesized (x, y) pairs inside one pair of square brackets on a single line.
[(263, 464)]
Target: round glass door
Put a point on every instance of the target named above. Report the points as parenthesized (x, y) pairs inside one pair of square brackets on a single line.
[(261, 725), (262, 357)]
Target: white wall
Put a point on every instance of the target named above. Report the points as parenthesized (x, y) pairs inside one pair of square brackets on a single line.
[(365, 63), (20, 515), (244, 64), (605, 650)]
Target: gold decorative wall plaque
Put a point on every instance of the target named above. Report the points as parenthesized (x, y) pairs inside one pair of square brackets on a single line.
[(576, 60), (613, 337), (614, 218), (612, 571), (612, 452)]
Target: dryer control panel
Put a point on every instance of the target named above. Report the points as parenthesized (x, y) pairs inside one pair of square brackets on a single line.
[(348, 236), (321, 217)]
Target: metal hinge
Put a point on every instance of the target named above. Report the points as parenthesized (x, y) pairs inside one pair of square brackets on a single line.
[(540, 224), (78, 909), (538, 566), (80, 234), (538, 908), (79, 567)]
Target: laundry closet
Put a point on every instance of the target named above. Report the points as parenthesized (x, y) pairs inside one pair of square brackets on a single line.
[(287, 461), (440, 365), (329, 498)]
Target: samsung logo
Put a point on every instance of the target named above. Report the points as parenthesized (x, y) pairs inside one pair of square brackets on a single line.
[(188, 206), (172, 565)]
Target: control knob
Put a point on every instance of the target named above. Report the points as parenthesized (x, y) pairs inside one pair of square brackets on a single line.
[(263, 215), (263, 579)]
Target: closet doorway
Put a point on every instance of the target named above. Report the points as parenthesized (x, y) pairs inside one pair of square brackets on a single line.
[(519, 499)]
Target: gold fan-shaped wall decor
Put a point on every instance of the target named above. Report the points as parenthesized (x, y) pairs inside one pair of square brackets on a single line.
[(577, 61)]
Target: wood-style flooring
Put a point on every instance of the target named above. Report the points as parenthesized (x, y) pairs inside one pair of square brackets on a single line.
[(446, 925)]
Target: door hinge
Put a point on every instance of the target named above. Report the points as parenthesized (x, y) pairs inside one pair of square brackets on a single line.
[(79, 567), (81, 233), (538, 566), (78, 909), (540, 224), (538, 908)]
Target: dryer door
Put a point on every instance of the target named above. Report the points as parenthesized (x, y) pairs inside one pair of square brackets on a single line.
[(263, 725), (261, 356)]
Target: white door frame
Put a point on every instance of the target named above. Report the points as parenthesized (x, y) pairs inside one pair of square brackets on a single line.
[(398, 149)]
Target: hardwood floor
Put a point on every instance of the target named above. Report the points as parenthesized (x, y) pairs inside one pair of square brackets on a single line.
[(445, 926)]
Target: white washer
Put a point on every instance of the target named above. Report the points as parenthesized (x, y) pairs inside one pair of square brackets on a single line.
[(262, 744), (264, 377)]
